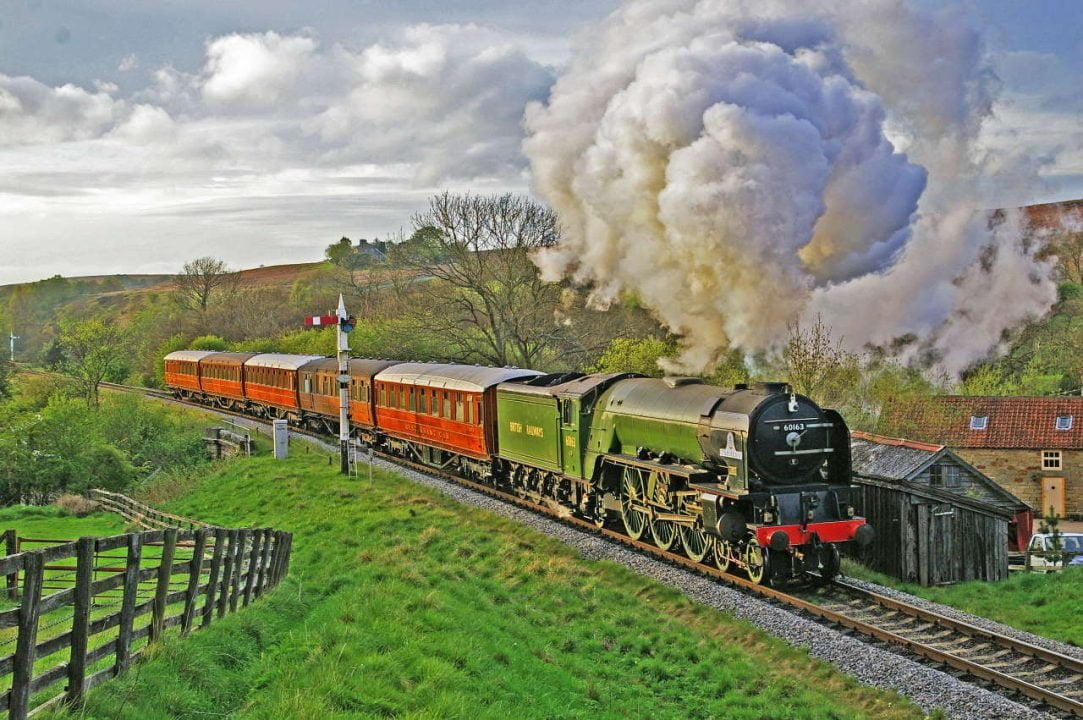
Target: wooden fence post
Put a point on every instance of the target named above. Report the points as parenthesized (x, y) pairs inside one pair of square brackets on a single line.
[(264, 561), (194, 572), (253, 565), (80, 622), (235, 590), (216, 567), (165, 571), (289, 552), (127, 606), (11, 546), (227, 572), (22, 672)]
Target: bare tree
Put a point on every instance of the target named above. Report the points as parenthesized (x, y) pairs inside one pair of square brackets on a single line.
[(479, 287), (201, 280), (818, 366)]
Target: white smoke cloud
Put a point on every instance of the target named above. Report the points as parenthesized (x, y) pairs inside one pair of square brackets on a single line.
[(737, 171)]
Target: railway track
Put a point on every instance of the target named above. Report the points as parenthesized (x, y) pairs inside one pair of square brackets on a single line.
[(1005, 663)]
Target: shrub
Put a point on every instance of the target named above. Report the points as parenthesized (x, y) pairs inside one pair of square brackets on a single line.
[(77, 505)]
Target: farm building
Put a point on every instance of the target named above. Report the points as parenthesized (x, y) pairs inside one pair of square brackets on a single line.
[(937, 518), (1030, 446)]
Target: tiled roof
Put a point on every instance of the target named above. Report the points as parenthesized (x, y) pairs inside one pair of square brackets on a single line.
[(1011, 422)]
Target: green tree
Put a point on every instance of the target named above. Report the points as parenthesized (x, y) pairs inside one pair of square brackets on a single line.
[(208, 342), (95, 349), (635, 354)]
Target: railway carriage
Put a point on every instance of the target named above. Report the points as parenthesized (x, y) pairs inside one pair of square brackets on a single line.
[(182, 372), (320, 394), (442, 415), (270, 384), (221, 378)]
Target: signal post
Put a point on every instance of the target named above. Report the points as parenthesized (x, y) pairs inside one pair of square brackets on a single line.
[(345, 324)]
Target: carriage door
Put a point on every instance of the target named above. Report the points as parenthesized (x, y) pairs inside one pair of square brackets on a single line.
[(569, 436)]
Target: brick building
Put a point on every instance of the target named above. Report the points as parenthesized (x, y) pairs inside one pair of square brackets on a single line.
[(1030, 446)]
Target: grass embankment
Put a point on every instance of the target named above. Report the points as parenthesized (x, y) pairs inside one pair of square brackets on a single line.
[(1050, 605), (402, 603)]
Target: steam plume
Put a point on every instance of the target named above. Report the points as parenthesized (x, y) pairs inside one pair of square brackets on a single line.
[(737, 170)]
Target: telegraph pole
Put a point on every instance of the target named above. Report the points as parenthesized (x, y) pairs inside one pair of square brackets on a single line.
[(345, 323), (12, 337)]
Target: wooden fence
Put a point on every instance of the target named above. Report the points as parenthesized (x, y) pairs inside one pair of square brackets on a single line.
[(142, 515), (87, 609)]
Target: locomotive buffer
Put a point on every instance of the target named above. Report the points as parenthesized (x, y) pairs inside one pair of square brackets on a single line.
[(345, 324)]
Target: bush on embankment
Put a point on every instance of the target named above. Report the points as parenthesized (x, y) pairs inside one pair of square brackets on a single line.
[(52, 443), (402, 603)]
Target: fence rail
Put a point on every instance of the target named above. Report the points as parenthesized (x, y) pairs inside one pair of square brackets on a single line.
[(143, 515), (113, 596)]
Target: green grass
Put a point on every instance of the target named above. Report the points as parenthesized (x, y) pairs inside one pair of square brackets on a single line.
[(51, 523), (402, 603), (1050, 604)]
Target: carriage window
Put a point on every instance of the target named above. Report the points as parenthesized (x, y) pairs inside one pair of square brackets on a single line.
[(477, 412), (469, 416), (434, 404), (422, 401), (364, 392), (383, 395), (447, 405), (411, 405), (460, 411)]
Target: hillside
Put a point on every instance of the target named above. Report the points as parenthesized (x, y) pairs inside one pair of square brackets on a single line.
[(400, 604)]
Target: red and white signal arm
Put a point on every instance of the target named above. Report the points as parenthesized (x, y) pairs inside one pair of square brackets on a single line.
[(321, 320)]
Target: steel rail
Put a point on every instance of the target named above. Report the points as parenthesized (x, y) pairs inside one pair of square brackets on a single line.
[(869, 629)]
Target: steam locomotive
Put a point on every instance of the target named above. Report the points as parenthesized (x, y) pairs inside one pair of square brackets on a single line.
[(755, 478)]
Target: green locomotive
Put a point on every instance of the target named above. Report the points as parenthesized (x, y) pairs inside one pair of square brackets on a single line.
[(753, 477)]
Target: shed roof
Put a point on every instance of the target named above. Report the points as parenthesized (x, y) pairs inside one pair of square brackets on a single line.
[(897, 461), (280, 361), (890, 458), (469, 378), (189, 355), (1010, 422)]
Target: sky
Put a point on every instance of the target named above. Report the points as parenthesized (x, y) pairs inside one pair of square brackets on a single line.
[(136, 135)]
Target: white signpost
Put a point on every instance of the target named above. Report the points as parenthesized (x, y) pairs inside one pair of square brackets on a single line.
[(13, 337), (345, 323)]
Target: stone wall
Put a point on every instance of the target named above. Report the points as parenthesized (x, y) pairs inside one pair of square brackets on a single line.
[(1020, 473)]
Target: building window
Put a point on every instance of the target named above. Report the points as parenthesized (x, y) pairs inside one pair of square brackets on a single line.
[(978, 422), (944, 475), (1064, 422), (1051, 460)]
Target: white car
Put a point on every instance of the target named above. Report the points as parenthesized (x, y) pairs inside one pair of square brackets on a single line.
[(1040, 551)]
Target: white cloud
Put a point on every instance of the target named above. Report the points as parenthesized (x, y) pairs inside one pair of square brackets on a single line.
[(255, 70), (32, 112), (128, 63), (449, 98)]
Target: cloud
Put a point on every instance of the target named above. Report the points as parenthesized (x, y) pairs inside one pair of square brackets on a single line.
[(449, 97), (32, 112), (256, 70), (128, 63)]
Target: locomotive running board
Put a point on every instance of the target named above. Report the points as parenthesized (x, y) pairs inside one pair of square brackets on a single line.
[(688, 472)]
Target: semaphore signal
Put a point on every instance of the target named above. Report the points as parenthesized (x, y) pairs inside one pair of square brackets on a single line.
[(345, 323)]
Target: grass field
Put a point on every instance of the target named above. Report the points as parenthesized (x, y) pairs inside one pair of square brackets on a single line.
[(51, 523), (401, 603), (1048, 605)]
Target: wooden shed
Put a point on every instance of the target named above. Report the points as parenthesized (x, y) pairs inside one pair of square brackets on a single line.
[(937, 519)]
